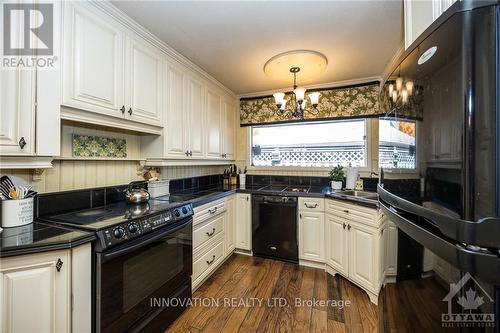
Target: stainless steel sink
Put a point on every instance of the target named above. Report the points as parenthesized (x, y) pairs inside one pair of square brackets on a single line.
[(359, 194)]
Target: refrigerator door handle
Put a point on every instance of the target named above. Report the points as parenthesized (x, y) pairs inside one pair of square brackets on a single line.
[(481, 233), (483, 264)]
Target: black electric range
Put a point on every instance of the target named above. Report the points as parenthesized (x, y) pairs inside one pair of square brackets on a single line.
[(143, 255)]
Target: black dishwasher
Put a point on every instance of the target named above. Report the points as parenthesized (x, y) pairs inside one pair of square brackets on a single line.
[(274, 227)]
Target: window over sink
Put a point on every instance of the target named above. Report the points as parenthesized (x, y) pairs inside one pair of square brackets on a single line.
[(310, 144), (397, 144)]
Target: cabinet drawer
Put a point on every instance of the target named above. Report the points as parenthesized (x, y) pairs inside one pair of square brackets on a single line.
[(207, 230), (208, 260), (351, 212), (312, 204), (207, 211)]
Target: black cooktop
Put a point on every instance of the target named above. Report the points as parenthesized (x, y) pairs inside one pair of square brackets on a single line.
[(97, 218)]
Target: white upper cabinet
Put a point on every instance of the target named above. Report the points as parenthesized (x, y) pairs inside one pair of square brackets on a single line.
[(93, 61), (213, 124), (196, 116), (175, 133), (144, 66), (228, 129), (17, 97), (29, 104), (418, 15), (109, 70)]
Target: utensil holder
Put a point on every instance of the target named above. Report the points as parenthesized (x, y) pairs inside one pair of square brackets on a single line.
[(16, 213), (243, 179)]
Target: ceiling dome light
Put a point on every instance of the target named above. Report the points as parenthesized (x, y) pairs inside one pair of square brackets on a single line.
[(427, 55)]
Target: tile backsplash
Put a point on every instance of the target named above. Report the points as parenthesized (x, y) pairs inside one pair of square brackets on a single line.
[(98, 146)]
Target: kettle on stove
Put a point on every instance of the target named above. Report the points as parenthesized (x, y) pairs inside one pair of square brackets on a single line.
[(136, 193)]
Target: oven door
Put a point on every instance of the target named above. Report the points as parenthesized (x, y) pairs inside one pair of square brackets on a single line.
[(130, 276)]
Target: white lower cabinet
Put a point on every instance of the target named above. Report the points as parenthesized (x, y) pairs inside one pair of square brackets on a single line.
[(336, 244), (213, 237), (229, 226), (390, 241), (354, 245), (243, 221), (36, 291), (311, 230)]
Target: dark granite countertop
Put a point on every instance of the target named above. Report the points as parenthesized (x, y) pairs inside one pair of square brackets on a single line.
[(201, 197), (39, 237)]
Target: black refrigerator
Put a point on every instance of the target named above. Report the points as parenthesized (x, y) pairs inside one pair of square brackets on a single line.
[(440, 175)]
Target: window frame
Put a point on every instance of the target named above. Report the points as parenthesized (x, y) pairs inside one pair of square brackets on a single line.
[(415, 170), (368, 151)]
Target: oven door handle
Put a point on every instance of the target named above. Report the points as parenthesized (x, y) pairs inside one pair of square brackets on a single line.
[(134, 246)]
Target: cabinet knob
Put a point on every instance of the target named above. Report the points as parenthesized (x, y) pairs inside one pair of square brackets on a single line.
[(190, 153), (122, 109), (300, 215), (343, 225), (22, 142), (59, 264), (348, 227), (130, 111), (346, 211), (247, 198), (187, 153), (211, 261)]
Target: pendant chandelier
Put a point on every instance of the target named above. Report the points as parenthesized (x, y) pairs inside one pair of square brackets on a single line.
[(298, 101), (309, 65)]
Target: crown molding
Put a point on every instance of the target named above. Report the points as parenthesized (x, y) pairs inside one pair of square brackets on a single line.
[(335, 84), (131, 24), (392, 63)]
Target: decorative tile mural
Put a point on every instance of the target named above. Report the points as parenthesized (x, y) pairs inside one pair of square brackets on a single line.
[(346, 102), (97, 146)]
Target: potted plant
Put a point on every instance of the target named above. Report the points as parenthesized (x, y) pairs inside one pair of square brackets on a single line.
[(337, 176)]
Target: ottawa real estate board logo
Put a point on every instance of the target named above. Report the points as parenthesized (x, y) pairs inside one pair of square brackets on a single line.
[(475, 302), (28, 35)]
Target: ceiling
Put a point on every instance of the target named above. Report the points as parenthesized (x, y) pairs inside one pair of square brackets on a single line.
[(232, 40)]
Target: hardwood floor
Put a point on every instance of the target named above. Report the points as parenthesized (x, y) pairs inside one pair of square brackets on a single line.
[(253, 278)]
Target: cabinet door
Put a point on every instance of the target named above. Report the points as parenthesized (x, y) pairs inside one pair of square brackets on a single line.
[(196, 116), (213, 124), (17, 100), (312, 236), (93, 61), (336, 244), (243, 222), (229, 226), (35, 296), (229, 129), (363, 254), (144, 77), (391, 249), (175, 133)]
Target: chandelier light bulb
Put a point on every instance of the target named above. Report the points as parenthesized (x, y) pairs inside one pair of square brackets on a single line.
[(394, 96), (279, 97), (404, 96), (314, 98), (409, 87), (391, 89), (283, 105), (399, 84), (300, 93)]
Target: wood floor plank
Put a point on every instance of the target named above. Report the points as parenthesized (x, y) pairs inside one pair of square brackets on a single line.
[(334, 293), (286, 314), (302, 318), (263, 291), (319, 321), (270, 317), (335, 326)]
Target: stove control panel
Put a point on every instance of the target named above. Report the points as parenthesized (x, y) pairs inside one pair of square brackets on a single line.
[(136, 227)]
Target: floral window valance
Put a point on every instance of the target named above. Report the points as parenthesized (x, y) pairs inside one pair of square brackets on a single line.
[(359, 101)]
